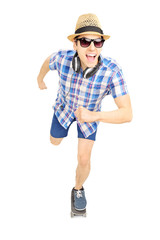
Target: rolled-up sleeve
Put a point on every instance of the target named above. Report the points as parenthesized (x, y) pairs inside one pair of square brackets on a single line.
[(118, 86), (53, 61)]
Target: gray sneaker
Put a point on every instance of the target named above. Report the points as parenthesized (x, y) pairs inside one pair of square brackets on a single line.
[(79, 199)]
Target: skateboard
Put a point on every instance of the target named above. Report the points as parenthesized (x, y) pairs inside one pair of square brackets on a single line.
[(75, 212)]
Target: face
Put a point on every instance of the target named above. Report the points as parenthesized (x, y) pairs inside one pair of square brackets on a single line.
[(88, 56)]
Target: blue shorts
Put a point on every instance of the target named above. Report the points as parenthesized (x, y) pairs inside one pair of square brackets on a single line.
[(57, 131)]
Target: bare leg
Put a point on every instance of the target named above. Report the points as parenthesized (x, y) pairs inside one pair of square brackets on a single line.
[(55, 141), (84, 155)]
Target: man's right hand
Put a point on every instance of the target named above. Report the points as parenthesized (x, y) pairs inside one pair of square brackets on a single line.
[(41, 84), (43, 71)]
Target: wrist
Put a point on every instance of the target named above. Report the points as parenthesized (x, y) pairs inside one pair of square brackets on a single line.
[(96, 116), (40, 79)]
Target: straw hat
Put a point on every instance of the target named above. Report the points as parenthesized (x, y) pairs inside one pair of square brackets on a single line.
[(88, 24)]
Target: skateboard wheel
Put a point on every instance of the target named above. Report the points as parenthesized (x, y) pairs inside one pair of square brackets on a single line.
[(72, 215), (78, 215)]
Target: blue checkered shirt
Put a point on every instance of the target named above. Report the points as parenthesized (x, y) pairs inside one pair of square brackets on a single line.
[(75, 90)]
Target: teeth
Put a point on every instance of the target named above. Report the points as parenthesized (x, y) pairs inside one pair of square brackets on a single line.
[(91, 55)]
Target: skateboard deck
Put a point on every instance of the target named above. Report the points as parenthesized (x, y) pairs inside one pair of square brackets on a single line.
[(75, 212)]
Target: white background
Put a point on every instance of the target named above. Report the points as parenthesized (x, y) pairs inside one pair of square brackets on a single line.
[(36, 177)]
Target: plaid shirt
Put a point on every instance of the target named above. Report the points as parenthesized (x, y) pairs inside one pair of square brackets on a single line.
[(75, 90)]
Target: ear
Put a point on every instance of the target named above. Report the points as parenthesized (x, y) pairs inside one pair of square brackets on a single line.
[(75, 45)]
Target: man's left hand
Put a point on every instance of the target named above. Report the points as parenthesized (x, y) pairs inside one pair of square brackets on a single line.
[(84, 115)]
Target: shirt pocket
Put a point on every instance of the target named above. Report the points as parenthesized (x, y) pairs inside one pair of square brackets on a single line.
[(91, 93), (97, 90), (96, 93), (65, 83)]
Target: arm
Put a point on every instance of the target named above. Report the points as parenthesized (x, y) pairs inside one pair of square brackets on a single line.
[(43, 71), (121, 115)]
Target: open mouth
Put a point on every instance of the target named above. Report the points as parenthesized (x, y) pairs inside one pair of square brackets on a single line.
[(91, 57)]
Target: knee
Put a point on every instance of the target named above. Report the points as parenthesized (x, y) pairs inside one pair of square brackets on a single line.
[(55, 141), (84, 160)]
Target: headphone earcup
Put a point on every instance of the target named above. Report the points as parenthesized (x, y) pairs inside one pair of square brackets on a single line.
[(76, 64)]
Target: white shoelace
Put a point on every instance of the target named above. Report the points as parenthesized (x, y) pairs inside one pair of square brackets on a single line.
[(79, 194)]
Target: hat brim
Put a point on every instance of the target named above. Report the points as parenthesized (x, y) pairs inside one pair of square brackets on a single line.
[(71, 37)]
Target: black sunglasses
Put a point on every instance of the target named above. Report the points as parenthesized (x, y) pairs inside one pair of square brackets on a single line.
[(85, 42)]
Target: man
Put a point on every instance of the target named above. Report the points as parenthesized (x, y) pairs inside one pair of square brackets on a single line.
[(85, 78)]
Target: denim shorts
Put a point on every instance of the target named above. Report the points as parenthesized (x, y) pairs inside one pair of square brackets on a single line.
[(57, 131)]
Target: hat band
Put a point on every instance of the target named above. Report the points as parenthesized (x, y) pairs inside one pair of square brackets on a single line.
[(89, 29)]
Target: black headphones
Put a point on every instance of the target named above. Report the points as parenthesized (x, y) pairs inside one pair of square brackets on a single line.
[(88, 72)]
